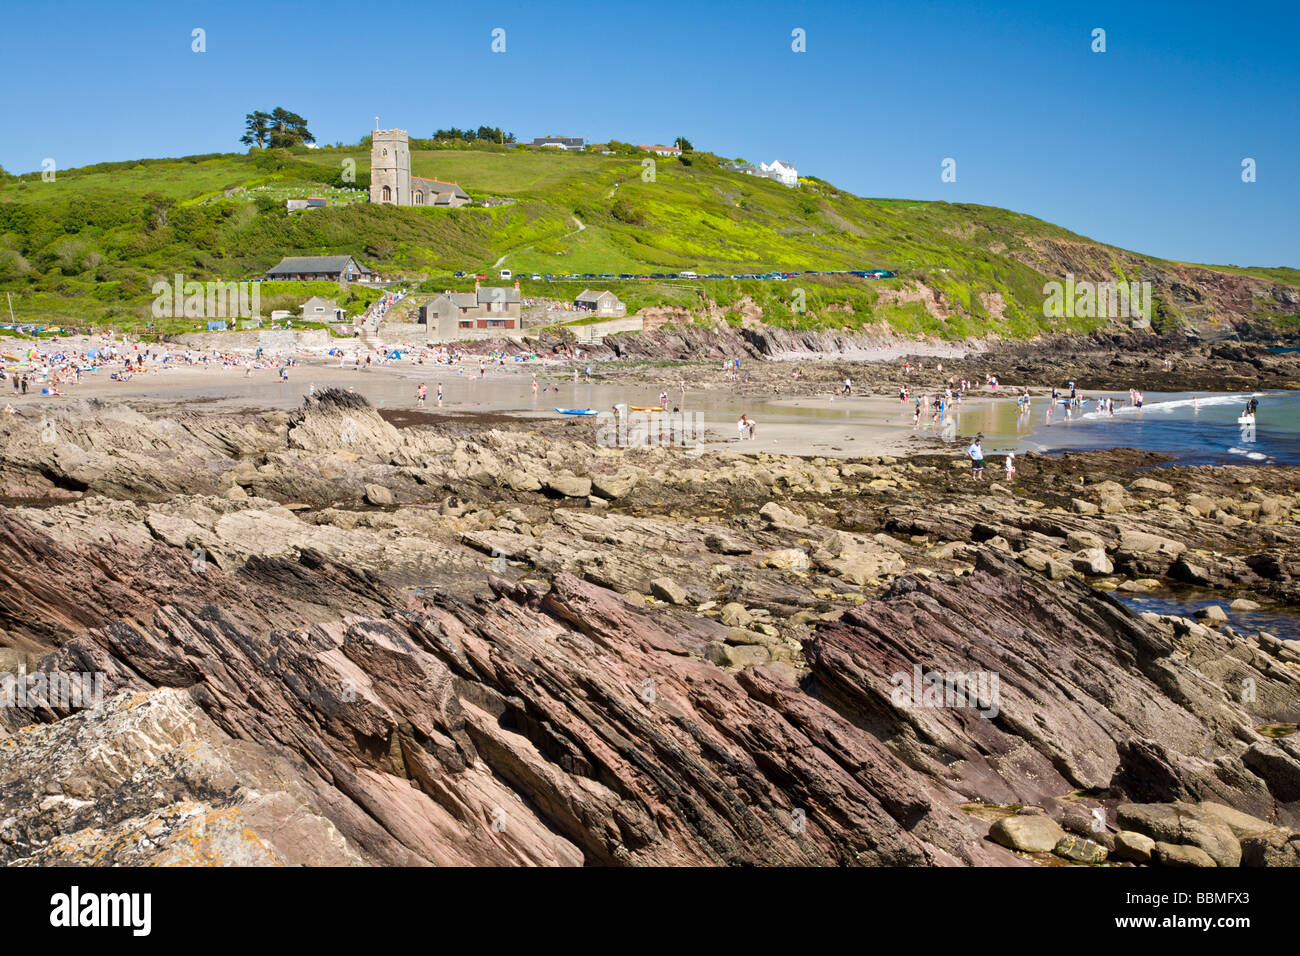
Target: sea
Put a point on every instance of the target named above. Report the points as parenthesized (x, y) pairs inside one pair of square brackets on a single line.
[(1190, 428)]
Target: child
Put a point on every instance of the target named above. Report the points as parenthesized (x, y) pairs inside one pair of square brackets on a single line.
[(1011, 465)]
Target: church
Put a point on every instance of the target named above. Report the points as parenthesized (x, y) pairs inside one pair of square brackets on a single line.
[(391, 181)]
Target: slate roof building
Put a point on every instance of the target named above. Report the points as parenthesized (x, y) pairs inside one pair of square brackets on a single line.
[(317, 309), (559, 142), (486, 312), (604, 303), (314, 268)]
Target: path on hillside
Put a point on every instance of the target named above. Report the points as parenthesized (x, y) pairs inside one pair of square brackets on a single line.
[(581, 226)]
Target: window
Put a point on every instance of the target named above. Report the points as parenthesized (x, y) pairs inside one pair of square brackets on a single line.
[(388, 194), (385, 150), (419, 199)]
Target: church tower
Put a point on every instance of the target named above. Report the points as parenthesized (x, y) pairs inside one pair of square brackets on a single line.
[(390, 167)]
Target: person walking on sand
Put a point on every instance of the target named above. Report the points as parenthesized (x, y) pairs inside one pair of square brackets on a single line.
[(976, 454), (848, 386), (750, 423), (741, 427), (420, 393), (440, 394)]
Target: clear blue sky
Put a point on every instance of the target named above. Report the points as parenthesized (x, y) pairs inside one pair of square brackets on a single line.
[(1140, 146)]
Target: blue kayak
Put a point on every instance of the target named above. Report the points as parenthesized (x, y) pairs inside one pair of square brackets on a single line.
[(576, 411)]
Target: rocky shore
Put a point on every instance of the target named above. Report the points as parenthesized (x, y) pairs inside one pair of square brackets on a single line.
[(329, 636)]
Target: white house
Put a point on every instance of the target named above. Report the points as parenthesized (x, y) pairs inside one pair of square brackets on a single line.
[(782, 172)]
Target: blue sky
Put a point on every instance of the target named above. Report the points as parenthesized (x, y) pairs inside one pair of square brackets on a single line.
[(1140, 146)]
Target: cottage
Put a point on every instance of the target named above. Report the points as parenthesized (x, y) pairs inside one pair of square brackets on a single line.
[(784, 173), (777, 170), (661, 150), (318, 268), (317, 309), (604, 304), (484, 313), (572, 143)]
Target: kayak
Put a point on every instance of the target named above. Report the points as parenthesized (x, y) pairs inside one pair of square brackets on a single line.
[(646, 408), (576, 411)]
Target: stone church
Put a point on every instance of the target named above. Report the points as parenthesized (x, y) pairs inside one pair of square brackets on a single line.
[(391, 181)]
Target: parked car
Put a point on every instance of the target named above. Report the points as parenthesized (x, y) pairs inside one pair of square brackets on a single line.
[(535, 277), (480, 275), (507, 274), (458, 274)]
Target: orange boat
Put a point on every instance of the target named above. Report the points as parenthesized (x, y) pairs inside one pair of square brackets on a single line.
[(646, 408)]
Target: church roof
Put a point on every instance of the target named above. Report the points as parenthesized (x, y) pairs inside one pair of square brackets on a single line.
[(439, 186)]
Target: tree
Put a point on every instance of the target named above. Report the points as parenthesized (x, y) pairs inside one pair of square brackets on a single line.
[(684, 144), (289, 129), (257, 129)]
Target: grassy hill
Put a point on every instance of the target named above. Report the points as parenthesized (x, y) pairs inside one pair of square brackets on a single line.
[(87, 248)]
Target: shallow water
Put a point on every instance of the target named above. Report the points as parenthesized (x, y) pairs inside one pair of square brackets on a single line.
[(1280, 622), (1191, 429)]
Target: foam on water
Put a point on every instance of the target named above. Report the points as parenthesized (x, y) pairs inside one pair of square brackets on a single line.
[(1189, 428)]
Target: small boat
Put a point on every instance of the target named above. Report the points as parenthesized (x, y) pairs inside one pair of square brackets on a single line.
[(576, 411), (646, 408)]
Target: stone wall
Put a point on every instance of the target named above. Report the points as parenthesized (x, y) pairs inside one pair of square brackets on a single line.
[(266, 338)]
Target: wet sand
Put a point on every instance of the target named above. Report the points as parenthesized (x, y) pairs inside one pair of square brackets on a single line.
[(830, 426)]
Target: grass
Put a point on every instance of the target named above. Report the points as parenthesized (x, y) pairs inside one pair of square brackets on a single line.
[(86, 248)]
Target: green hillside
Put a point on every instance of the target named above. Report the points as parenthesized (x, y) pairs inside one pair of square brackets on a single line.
[(87, 248)]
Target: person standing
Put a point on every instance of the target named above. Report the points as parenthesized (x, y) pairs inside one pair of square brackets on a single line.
[(420, 393), (976, 454)]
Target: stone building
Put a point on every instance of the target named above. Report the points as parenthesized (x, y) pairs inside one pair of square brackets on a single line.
[(487, 312), (391, 181), (604, 303)]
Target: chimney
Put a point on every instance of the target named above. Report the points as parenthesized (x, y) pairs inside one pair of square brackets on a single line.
[(516, 285), (475, 283)]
